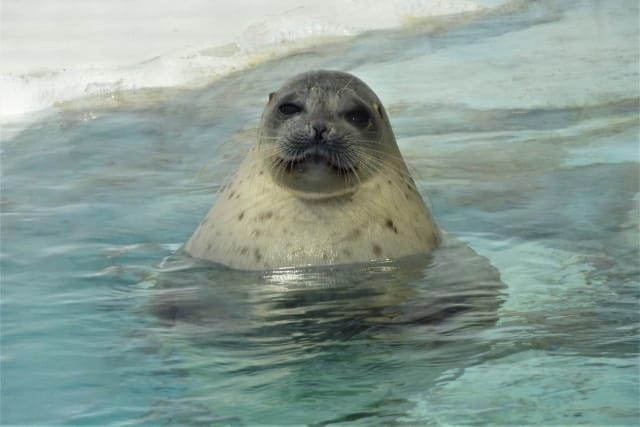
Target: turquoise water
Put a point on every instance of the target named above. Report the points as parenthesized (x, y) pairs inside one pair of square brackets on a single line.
[(521, 127)]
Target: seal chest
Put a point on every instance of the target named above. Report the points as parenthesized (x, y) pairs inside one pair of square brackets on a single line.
[(325, 184)]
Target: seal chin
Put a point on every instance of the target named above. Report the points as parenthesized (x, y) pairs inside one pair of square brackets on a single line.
[(315, 171), (316, 176)]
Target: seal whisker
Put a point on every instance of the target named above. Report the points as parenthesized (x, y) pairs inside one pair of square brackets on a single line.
[(392, 171), (398, 166), (346, 86)]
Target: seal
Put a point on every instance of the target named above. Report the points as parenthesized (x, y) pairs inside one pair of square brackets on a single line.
[(324, 185)]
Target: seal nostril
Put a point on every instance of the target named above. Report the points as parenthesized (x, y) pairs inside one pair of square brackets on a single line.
[(319, 129)]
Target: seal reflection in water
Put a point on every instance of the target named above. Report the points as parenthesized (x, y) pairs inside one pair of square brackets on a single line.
[(324, 185)]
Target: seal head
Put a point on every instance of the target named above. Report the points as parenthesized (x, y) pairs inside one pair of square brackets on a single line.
[(325, 133)]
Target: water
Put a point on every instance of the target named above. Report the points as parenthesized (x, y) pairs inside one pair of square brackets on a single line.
[(521, 126)]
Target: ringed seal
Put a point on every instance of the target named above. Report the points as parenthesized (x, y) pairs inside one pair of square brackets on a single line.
[(325, 184)]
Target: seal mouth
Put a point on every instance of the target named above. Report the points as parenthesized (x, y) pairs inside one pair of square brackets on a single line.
[(316, 157), (301, 164), (316, 168)]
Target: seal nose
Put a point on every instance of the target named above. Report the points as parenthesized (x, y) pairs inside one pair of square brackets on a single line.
[(320, 130)]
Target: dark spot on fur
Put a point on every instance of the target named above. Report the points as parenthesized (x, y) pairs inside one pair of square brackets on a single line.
[(261, 173), (257, 254), (237, 196), (209, 246), (406, 196), (354, 234), (347, 252), (244, 251), (389, 182), (265, 215), (233, 193), (392, 226), (377, 250), (325, 256), (241, 216)]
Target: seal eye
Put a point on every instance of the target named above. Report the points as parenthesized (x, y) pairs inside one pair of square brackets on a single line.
[(358, 117), (289, 109)]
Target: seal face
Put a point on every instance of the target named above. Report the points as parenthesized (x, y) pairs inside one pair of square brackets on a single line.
[(324, 132), (325, 184)]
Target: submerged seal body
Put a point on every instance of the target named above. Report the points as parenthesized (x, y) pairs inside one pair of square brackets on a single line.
[(325, 184)]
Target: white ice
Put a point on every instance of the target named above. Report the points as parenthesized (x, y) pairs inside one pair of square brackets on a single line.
[(56, 51)]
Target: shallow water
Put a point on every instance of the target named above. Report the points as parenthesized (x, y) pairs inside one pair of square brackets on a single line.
[(520, 124)]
